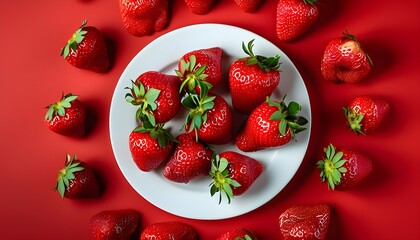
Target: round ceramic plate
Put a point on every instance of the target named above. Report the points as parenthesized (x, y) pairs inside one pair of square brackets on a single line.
[(193, 200)]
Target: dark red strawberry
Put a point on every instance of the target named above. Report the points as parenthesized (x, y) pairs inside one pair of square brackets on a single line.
[(114, 225), (67, 116), (344, 60), (295, 17), (169, 231), (199, 6), (237, 234), (272, 124), (77, 180), (343, 168), (141, 18), (365, 114), (86, 49), (248, 5), (309, 222), (233, 174), (190, 160), (252, 79)]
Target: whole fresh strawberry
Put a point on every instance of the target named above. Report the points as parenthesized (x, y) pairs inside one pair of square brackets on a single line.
[(365, 114), (248, 5), (252, 79), (343, 168), (295, 17), (190, 160), (67, 116), (171, 230), (114, 225), (141, 18), (237, 234), (272, 124), (77, 180), (309, 222), (233, 174), (156, 95), (199, 6), (344, 60), (86, 49)]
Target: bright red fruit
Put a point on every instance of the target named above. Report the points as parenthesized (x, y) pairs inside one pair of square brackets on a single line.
[(295, 17), (344, 60), (189, 161), (365, 114), (248, 5), (233, 174), (67, 116), (113, 225), (77, 180), (169, 231), (343, 168), (141, 18), (237, 234), (199, 6), (86, 49), (272, 124), (252, 79)]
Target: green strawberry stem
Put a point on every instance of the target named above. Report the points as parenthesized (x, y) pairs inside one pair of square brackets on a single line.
[(73, 42), (59, 108), (156, 132), (222, 182), (354, 120), (66, 174), (192, 75), (331, 167), (265, 63)]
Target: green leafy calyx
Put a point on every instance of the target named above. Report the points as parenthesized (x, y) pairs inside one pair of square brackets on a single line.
[(66, 174), (354, 120), (156, 132), (73, 42), (59, 108), (192, 75), (265, 63), (222, 182), (331, 168)]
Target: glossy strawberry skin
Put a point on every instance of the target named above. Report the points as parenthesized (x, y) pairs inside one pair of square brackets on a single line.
[(294, 18), (84, 185), (169, 231), (236, 233), (190, 160), (199, 7), (72, 124), (141, 18), (309, 222), (113, 225), (248, 5)]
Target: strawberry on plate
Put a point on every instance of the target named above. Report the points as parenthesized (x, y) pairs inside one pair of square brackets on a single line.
[(171, 230), (344, 60), (86, 49), (118, 224), (233, 174), (77, 180), (237, 234), (248, 5), (365, 114), (67, 116), (252, 79), (343, 168), (305, 222), (199, 6)]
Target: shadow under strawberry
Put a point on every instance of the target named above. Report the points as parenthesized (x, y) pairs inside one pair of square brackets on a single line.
[(92, 115)]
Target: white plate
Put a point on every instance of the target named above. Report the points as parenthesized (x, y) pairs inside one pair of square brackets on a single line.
[(193, 200)]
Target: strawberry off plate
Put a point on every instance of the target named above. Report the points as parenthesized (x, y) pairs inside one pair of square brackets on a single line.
[(193, 200)]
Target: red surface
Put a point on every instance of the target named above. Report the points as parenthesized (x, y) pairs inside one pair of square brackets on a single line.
[(32, 75)]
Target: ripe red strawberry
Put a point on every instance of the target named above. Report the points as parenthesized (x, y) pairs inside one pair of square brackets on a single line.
[(141, 18), (309, 222), (157, 96), (189, 161), (344, 60), (248, 5), (295, 17), (67, 116), (272, 124), (365, 114), (169, 231), (252, 79), (237, 234), (233, 174), (77, 180), (199, 6), (114, 225), (86, 49), (343, 168)]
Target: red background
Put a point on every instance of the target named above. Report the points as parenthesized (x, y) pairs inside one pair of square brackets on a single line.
[(34, 75)]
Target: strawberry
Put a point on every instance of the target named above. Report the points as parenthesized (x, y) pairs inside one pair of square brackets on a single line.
[(141, 18), (344, 60), (295, 17), (189, 161), (365, 114), (233, 174), (157, 96), (199, 6), (237, 234), (272, 124), (248, 5), (67, 116), (77, 180), (86, 49), (252, 79), (343, 168), (114, 225), (309, 222), (171, 230)]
